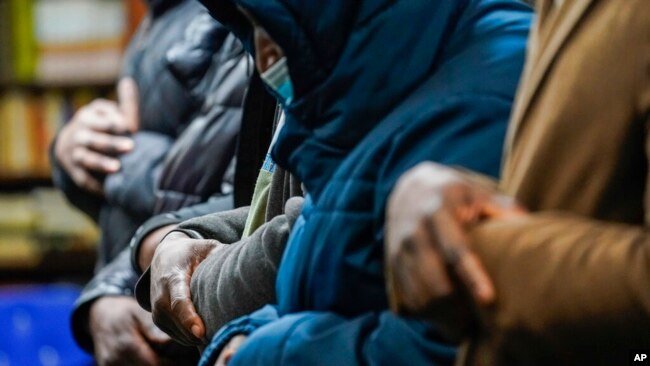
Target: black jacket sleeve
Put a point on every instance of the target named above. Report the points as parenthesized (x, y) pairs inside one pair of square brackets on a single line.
[(115, 279)]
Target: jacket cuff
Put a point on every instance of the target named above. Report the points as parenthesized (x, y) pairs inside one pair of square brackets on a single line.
[(189, 232), (242, 326), (143, 231), (116, 279)]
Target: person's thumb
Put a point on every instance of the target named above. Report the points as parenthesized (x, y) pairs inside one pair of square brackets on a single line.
[(128, 99), (190, 320), (184, 311)]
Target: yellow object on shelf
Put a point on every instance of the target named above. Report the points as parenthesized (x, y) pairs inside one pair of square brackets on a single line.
[(23, 43), (41, 222), (17, 214), (19, 252)]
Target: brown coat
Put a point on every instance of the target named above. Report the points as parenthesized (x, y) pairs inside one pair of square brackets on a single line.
[(573, 278)]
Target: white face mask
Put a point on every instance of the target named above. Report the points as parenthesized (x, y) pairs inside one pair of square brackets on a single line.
[(277, 78)]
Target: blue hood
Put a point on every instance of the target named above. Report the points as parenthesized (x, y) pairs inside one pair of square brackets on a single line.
[(380, 86), (352, 62)]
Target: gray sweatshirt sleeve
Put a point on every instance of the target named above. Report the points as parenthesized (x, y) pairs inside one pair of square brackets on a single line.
[(240, 278), (225, 227)]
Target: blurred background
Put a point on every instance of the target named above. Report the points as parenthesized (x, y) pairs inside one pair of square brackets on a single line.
[(55, 55)]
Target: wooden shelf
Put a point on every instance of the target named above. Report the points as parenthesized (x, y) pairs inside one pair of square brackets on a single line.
[(64, 86), (24, 183), (74, 265)]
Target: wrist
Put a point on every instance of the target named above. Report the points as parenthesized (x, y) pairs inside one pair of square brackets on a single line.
[(149, 243), (172, 239), (144, 231)]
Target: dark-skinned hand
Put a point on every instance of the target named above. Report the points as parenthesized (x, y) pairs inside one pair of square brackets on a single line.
[(432, 271), (230, 349), (89, 143), (124, 334), (173, 264)]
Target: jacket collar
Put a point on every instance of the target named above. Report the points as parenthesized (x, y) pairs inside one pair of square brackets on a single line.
[(553, 30)]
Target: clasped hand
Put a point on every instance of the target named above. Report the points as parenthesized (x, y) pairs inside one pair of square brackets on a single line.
[(173, 264), (432, 269)]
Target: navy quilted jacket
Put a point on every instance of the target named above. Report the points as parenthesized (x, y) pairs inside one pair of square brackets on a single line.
[(380, 86)]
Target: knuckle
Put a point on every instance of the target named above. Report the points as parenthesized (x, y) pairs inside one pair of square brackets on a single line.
[(182, 307), (83, 112), (84, 181), (129, 348), (89, 160), (167, 279), (81, 137), (77, 155), (76, 175), (101, 103), (110, 360)]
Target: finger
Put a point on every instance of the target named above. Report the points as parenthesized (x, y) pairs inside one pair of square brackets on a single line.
[(150, 331), (228, 356), (448, 235), (184, 310), (143, 354), (467, 202), (231, 349), (168, 322), (225, 356), (104, 143), (104, 116), (128, 99), (93, 161), (422, 272), (503, 207), (86, 181), (475, 277)]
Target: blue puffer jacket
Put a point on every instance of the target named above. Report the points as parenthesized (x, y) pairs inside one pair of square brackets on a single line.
[(380, 85)]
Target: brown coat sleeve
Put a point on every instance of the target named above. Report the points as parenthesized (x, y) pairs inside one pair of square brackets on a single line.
[(568, 289)]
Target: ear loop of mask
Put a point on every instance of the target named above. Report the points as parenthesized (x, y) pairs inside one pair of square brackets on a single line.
[(277, 78)]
